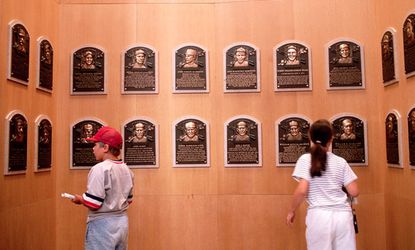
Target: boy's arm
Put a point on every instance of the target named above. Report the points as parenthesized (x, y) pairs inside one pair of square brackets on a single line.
[(80, 201)]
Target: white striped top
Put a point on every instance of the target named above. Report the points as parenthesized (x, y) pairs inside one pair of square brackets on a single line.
[(325, 191), (109, 189)]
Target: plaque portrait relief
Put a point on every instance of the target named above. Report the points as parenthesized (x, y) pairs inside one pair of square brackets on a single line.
[(411, 137), (409, 44), (243, 142), (191, 143), (292, 65), (19, 53), (292, 140), (45, 66), (345, 67), (190, 67), (82, 155), (16, 147), (43, 144), (139, 71), (392, 140), (242, 69), (140, 144), (349, 139), (88, 71)]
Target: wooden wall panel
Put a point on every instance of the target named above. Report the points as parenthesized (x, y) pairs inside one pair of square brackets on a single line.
[(216, 207), (27, 201)]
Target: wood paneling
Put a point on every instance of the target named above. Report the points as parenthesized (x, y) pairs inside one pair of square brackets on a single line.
[(215, 207)]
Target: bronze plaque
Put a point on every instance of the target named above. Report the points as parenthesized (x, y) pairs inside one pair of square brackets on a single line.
[(139, 71), (45, 66), (409, 44), (17, 143), (241, 69), (392, 140), (20, 45), (293, 67), (44, 141), (411, 136), (191, 147), (242, 143), (345, 65), (88, 71), (349, 139), (388, 58), (191, 72), (292, 140), (140, 144), (82, 154)]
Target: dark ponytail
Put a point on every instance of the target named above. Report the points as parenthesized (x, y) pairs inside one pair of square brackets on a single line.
[(320, 134)]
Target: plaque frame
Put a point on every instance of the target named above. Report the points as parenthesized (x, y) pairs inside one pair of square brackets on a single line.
[(12, 24), (395, 56), (341, 115), (156, 70), (410, 15), (175, 67), (38, 120), (225, 142), (174, 143), (399, 123), (71, 142), (362, 63), (156, 141), (8, 119), (277, 136), (411, 109), (275, 66), (257, 67), (105, 87), (39, 61)]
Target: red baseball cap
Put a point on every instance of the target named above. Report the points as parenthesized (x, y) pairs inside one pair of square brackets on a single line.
[(108, 136)]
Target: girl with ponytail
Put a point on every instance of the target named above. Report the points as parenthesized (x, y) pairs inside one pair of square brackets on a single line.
[(321, 175)]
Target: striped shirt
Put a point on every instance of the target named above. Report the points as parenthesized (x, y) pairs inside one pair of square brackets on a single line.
[(109, 189), (325, 191)]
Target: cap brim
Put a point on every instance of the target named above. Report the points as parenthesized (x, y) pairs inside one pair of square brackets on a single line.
[(92, 139)]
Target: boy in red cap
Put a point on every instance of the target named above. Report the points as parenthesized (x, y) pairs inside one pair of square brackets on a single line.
[(109, 192)]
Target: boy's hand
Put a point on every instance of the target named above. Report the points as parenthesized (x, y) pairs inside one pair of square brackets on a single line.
[(78, 199)]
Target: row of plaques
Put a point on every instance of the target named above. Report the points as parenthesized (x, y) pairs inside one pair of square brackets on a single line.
[(242, 143), (292, 64)]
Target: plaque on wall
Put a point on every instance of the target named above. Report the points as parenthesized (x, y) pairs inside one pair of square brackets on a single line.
[(345, 67), (243, 142), (139, 71), (191, 143), (45, 65), (409, 44), (242, 68), (292, 64), (392, 140), (411, 137), (43, 144), (388, 57), (140, 144), (88, 71), (82, 155), (190, 67), (349, 139), (292, 139), (16, 146), (19, 53)]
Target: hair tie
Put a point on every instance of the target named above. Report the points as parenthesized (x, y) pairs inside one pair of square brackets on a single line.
[(318, 142)]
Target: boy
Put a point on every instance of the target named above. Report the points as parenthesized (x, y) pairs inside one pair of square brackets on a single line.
[(109, 192)]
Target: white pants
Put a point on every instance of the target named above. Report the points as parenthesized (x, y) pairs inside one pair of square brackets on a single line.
[(330, 230)]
